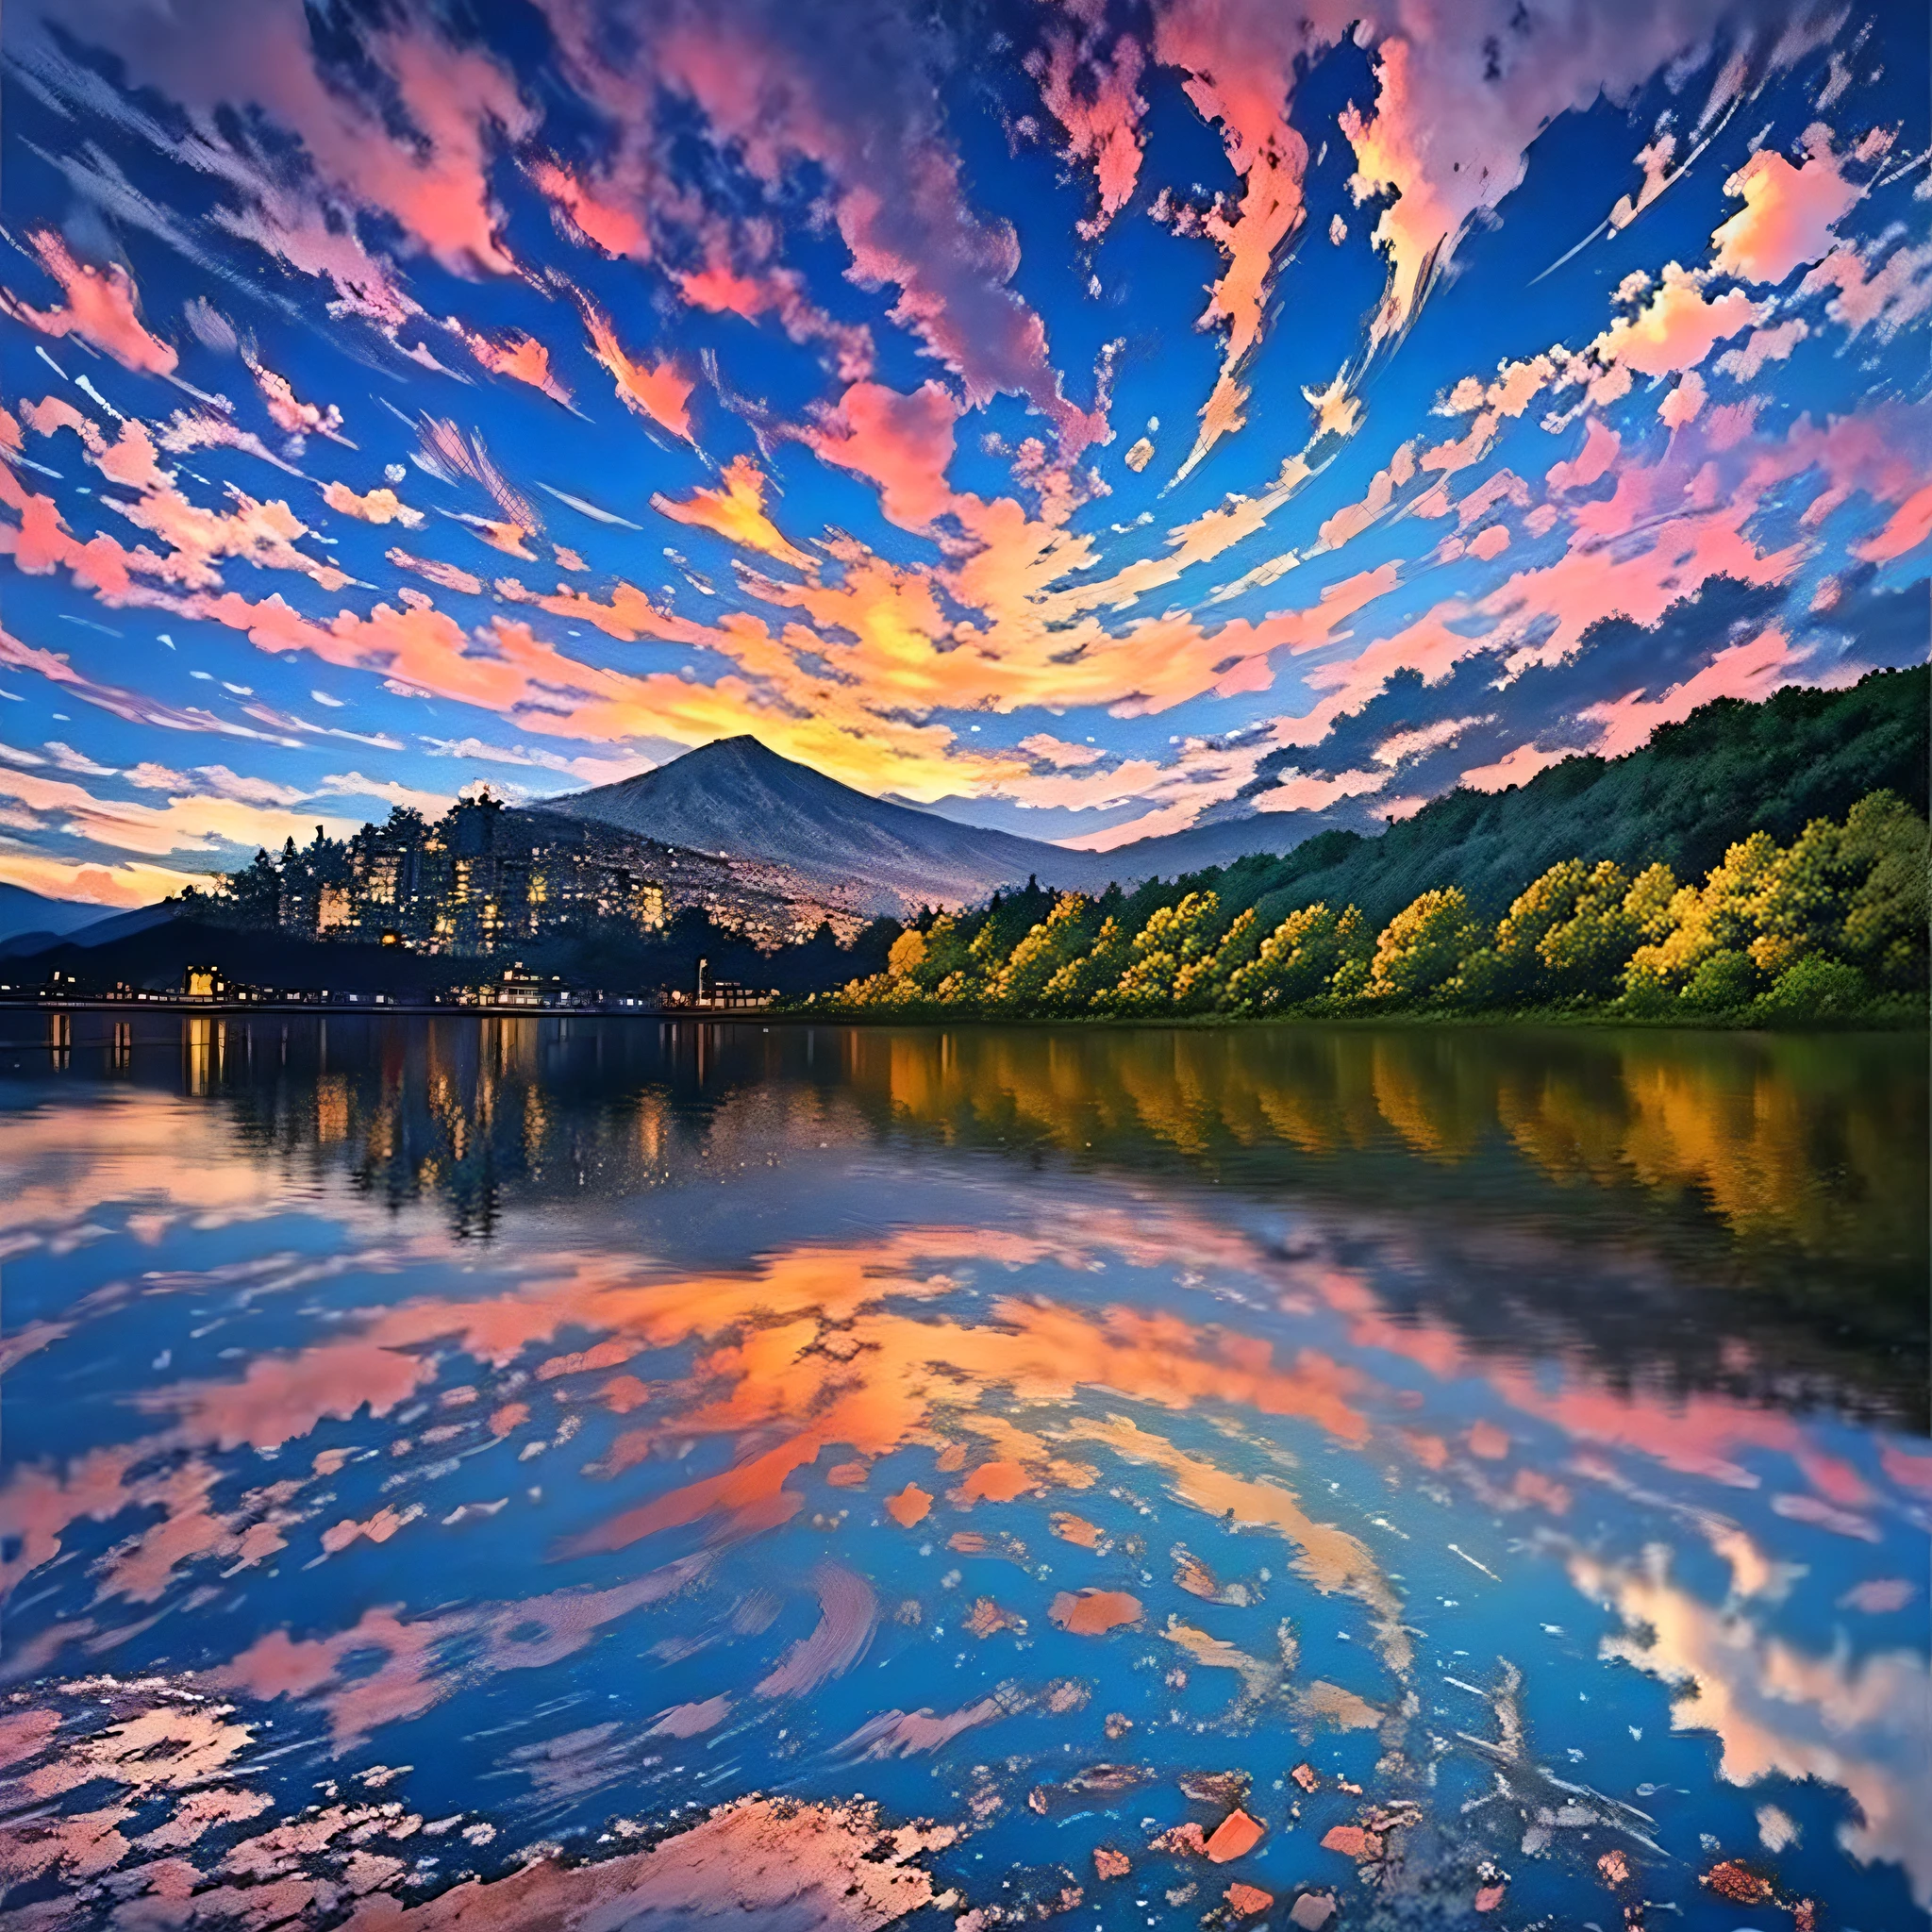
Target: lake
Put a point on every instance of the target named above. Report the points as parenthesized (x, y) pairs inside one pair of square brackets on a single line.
[(594, 1473)]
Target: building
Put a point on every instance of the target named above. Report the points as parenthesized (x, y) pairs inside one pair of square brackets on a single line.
[(484, 879)]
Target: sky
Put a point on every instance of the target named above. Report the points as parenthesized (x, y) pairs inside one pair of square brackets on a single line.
[(1086, 419)]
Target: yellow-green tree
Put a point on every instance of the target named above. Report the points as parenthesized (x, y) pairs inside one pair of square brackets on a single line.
[(1072, 988), (1294, 963), (1174, 937), (1421, 949), (1704, 955), (1885, 922), (1201, 985), (1020, 985), (1568, 933)]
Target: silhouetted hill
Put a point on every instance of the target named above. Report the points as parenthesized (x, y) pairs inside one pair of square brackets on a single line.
[(33, 915)]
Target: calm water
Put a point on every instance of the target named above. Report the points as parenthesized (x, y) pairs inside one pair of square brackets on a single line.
[(585, 1475)]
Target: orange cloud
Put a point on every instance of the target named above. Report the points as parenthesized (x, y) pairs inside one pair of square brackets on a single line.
[(381, 505), (1677, 327), (736, 511), (522, 358), (659, 391)]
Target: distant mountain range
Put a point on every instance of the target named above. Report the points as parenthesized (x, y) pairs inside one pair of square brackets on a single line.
[(737, 797), (30, 920)]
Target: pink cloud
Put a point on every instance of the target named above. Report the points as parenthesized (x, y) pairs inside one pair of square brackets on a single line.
[(1094, 100), (1514, 768), (784, 98), (420, 158), (1240, 65), (1883, 299), (1751, 671), (904, 444), (100, 310), (1592, 464), (1764, 345), (1909, 527), (287, 411), (1789, 214), (1683, 403), (597, 214)]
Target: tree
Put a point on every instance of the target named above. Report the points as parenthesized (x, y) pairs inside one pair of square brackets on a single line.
[(1884, 926), (1424, 946), (1720, 916), (1293, 963), (1040, 953), (1174, 937), (1570, 933)]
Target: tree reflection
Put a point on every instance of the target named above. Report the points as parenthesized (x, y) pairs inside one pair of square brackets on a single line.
[(1786, 1168)]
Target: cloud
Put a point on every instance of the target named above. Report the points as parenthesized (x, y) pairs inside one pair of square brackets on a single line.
[(1092, 94), (1781, 1712), (1790, 217), (1749, 671), (210, 818), (850, 96), (1683, 403), (100, 310), (1240, 63), (522, 358), (381, 505), (1514, 768), (287, 411), (1677, 327), (1058, 752), (657, 391), (112, 885), (130, 706), (1772, 344), (902, 443), (412, 142), (1883, 299), (1909, 527), (1592, 464), (735, 511)]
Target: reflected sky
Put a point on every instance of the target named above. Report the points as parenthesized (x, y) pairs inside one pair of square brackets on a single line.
[(588, 1474)]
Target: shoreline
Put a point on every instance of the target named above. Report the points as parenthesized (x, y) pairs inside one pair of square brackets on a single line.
[(1527, 1019)]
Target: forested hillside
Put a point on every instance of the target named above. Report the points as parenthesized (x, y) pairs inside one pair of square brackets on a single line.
[(1696, 788), (1764, 860)]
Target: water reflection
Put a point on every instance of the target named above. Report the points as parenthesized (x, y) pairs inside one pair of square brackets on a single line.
[(833, 1477)]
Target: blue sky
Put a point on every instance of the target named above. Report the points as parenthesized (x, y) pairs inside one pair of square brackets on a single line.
[(1088, 420)]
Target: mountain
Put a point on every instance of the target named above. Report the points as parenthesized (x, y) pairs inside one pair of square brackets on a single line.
[(737, 797), (24, 912)]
